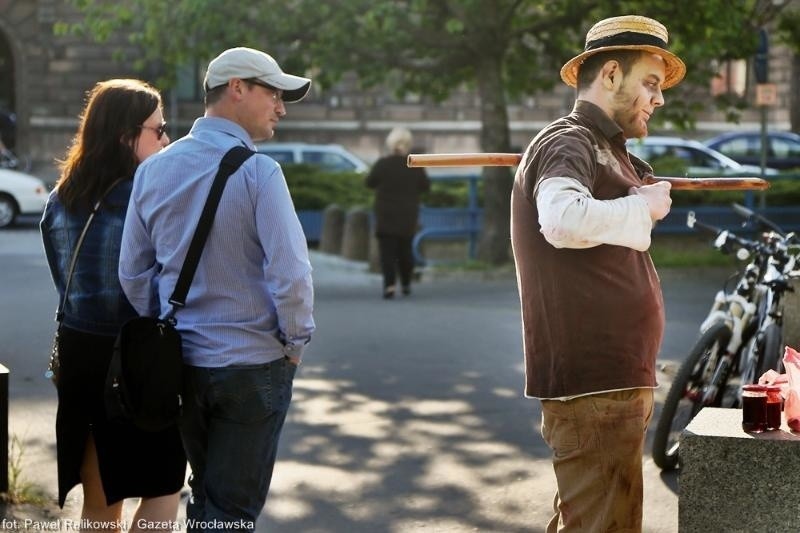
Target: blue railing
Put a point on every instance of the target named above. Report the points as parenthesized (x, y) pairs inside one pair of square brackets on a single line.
[(311, 220), (451, 222)]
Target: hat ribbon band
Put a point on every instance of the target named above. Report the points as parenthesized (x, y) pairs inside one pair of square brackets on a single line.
[(628, 38)]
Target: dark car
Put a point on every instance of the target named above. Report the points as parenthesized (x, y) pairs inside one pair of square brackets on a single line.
[(783, 148)]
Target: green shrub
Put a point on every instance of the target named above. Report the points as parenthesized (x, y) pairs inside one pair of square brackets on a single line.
[(782, 191), (669, 165), (313, 188), (450, 193)]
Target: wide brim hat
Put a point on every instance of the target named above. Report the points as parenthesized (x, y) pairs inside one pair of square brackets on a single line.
[(247, 63), (628, 32)]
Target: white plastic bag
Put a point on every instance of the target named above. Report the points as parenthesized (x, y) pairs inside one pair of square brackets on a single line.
[(790, 386)]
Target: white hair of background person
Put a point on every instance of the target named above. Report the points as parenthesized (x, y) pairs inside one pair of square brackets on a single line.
[(399, 140)]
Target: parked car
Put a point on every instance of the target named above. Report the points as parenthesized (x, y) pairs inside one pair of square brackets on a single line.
[(328, 156), (783, 148), (688, 157), (20, 193)]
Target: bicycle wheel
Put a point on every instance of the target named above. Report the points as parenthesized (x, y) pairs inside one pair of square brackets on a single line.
[(685, 397), (769, 344)]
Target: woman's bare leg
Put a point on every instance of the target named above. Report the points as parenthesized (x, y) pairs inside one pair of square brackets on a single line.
[(95, 511)]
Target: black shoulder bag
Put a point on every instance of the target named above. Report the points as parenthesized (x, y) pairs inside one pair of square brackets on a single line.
[(145, 377)]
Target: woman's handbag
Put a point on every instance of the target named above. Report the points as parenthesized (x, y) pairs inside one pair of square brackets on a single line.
[(54, 366), (144, 384)]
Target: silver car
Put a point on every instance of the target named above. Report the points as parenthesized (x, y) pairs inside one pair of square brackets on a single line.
[(332, 157), (693, 157)]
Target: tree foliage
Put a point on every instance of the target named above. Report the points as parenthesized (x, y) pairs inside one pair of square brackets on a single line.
[(500, 48)]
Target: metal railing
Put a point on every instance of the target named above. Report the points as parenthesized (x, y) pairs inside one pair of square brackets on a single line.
[(451, 222)]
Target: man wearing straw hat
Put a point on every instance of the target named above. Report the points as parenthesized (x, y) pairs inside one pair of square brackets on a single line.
[(592, 310)]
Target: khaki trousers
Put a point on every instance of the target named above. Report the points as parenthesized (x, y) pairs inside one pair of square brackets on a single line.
[(597, 443)]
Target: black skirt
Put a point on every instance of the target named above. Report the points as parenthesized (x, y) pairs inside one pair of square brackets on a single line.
[(133, 463)]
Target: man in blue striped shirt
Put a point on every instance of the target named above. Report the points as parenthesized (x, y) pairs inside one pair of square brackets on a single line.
[(248, 314)]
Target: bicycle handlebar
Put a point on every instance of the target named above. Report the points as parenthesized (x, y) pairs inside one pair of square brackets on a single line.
[(750, 215), (730, 237)]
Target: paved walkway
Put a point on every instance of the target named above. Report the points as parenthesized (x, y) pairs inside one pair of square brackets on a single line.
[(407, 415)]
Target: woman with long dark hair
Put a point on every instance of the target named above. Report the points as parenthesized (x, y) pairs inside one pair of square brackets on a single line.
[(121, 125)]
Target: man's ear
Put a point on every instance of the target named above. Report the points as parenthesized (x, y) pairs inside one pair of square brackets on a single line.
[(611, 74), (235, 86)]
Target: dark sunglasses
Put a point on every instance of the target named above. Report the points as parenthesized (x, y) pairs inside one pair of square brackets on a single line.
[(160, 131)]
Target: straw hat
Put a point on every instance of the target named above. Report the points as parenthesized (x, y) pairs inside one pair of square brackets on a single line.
[(629, 32)]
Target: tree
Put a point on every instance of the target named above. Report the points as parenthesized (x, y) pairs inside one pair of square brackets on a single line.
[(789, 34), (501, 48)]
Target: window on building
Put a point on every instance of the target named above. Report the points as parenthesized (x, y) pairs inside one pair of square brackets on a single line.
[(731, 78), (189, 84)]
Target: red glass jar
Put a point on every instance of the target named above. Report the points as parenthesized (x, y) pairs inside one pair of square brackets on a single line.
[(754, 408), (774, 407)]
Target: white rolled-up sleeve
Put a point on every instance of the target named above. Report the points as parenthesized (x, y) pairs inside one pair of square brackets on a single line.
[(570, 217)]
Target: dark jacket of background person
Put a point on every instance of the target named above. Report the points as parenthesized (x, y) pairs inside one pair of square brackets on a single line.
[(397, 193)]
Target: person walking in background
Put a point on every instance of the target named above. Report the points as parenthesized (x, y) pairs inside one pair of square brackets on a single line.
[(397, 195), (592, 309), (248, 316), (121, 126)]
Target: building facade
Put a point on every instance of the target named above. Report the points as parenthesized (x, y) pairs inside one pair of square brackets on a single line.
[(44, 78)]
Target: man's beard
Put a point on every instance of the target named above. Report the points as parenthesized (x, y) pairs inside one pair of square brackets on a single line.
[(627, 115)]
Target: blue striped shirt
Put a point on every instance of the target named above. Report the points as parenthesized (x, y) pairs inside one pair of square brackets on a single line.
[(251, 299)]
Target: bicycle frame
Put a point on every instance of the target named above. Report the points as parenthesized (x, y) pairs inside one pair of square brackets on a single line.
[(739, 337)]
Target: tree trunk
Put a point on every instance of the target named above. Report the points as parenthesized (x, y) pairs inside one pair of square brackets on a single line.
[(493, 243), (794, 93), (791, 302), (791, 320)]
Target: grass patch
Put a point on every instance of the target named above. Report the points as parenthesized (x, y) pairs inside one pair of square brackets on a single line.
[(20, 491), (685, 251), (667, 251)]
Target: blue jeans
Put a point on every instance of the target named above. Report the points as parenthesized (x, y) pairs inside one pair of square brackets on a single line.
[(230, 427)]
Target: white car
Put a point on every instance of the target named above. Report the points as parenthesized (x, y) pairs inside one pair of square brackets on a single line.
[(332, 157), (20, 193)]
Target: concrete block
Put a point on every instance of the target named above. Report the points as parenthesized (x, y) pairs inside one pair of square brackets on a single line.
[(355, 241), (731, 481), (330, 241), (374, 254)]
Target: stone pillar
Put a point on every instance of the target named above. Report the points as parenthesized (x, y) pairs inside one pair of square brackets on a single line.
[(355, 242), (374, 254), (735, 481), (330, 242), (791, 318)]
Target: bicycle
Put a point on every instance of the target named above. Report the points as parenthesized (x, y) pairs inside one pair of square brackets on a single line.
[(739, 339)]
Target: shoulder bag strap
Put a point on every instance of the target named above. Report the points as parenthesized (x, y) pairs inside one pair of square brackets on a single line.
[(74, 260), (231, 161)]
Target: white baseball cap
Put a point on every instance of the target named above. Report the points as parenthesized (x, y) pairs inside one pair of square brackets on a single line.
[(245, 63)]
